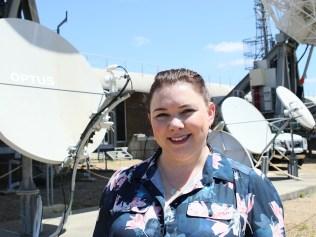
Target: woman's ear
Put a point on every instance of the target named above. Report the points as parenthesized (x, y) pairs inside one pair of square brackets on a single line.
[(148, 116), (211, 113)]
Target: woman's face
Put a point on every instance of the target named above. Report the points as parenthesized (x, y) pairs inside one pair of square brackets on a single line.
[(180, 119)]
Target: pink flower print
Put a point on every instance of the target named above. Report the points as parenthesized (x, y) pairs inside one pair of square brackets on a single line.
[(216, 161), (251, 202), (278, 212), (277, 230), (116, 181), (244, 206), (120, 205), (137, 222), (152, 213), (223, 212), (220, 229), (111, 182), (198, 208)]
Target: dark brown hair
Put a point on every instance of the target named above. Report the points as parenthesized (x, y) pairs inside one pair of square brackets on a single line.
[(170, 77)]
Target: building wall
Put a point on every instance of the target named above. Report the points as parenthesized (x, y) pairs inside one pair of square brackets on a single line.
[(136, 115)]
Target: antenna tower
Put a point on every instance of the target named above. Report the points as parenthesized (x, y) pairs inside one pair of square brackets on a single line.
[(257, 48)]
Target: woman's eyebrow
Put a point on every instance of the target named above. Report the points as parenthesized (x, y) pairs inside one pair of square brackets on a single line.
[(181, 107), (159, 109), (185, 105)]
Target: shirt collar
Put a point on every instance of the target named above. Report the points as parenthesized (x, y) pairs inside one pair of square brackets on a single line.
[(216, 166)]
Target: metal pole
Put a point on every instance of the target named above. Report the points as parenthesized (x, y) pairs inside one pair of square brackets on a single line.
[(28, 197), (62, 22), (292, 167), (52, 173), (47, 185), (308, 61), (265, 164)]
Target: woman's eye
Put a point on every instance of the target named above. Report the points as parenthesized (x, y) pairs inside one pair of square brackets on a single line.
[(188, 111), (161, 115)]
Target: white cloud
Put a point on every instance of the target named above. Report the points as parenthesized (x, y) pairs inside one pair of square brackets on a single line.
[(140, 41), (226, 47)]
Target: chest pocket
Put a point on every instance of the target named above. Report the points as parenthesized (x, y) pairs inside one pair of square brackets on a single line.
[(216, 211)]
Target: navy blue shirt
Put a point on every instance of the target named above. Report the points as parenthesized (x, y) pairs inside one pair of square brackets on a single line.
[(230, 200)]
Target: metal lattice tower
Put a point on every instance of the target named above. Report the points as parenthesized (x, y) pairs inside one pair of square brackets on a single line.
[(257, 48)]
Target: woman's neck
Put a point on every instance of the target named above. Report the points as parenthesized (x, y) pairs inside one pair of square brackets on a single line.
[(182, 165), (177, 174)]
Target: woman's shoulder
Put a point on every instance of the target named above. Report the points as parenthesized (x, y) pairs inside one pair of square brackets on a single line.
[(244, 170), (129, 174)]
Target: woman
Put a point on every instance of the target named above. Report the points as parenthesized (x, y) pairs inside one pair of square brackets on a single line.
[(186, 188)]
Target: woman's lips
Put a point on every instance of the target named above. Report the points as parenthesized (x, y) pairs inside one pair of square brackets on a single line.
[(179, 139)]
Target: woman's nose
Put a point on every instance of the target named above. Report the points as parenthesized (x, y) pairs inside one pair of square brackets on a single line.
[(176, 123)]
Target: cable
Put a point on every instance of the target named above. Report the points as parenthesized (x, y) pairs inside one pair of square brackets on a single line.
[(98, 175), (49, 88), (11, 232), (84, 138), (10, 172), (303, 54)]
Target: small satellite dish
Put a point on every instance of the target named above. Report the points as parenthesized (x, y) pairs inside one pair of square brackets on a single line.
[(229, 146), (246, 124), (295, 107), (47, 91), (141, 82)]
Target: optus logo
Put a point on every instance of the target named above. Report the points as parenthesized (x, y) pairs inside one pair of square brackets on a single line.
[(31, 79)]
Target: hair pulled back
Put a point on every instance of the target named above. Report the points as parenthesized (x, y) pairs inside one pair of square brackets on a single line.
[(172, 76)]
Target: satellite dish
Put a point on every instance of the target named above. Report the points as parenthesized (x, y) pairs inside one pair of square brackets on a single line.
[(246, 124), (141, 82), (229, 146), (47, 91), (295, 18), (296, 107)]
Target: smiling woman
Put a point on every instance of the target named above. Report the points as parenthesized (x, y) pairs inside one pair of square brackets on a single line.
[(187, 188), (180, 118)]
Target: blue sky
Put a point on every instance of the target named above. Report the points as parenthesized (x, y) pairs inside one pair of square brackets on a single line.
[(148, 35)]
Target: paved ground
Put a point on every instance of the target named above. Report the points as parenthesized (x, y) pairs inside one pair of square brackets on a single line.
[(81, 223), (290, 188)]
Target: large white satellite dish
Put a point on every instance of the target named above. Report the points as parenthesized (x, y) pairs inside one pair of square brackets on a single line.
[(246, 124), (230, 146), (47, 91), (295, 107), (296, 18)]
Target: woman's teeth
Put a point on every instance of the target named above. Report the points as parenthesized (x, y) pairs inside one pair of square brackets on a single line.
[(178, 139)]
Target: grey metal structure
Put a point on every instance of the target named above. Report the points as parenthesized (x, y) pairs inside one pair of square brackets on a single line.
[(277, 55), (259, 47), (19, 9)]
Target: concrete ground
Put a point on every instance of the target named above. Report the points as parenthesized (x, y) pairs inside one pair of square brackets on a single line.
[(81, 223)]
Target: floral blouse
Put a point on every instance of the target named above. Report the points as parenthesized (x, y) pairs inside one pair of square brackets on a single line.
[(230, 200)]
